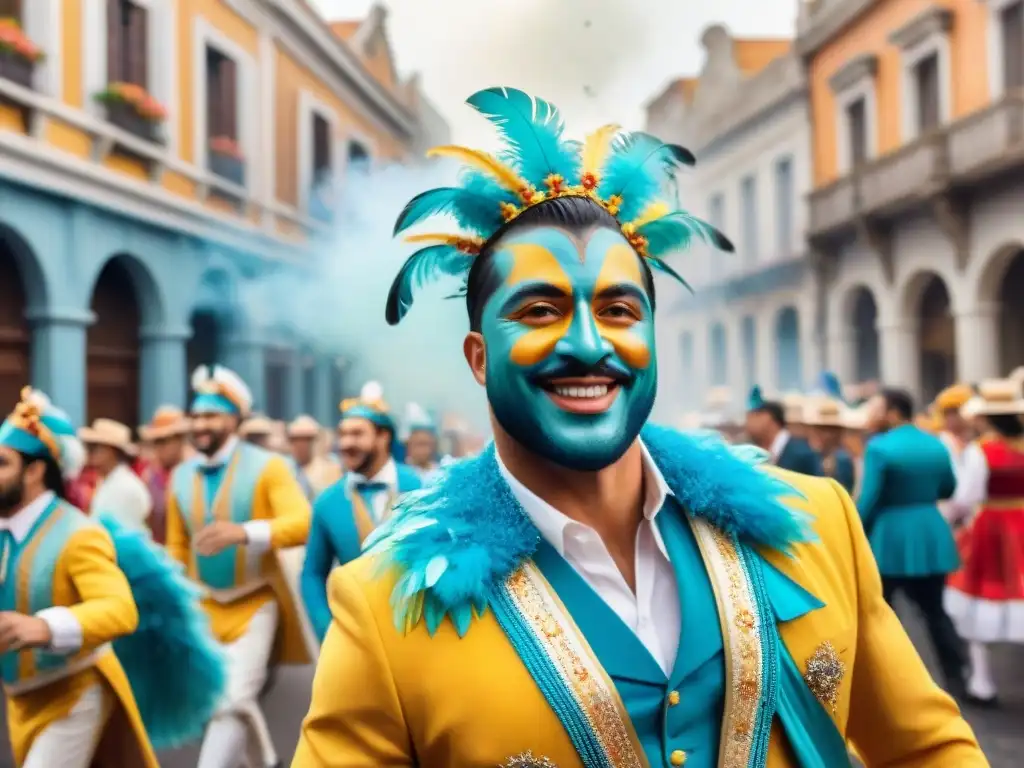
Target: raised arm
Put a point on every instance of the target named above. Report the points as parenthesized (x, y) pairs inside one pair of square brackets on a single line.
[(289, 518), (355, 719), (898, 715)]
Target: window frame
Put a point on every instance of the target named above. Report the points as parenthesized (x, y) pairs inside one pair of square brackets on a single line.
[(750, 229), (205, 34), (934, 43), (996, 75), (309, 107), (854, 81), (785, 251)]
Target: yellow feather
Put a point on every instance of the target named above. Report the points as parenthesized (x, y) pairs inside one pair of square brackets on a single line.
[(652, 212), (596, 148), (439, 239), (483, 161)]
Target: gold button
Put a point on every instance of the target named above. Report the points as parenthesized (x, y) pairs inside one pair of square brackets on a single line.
[(673, 698), (678, 757)]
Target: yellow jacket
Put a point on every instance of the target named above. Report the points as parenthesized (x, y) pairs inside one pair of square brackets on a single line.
[(88, 581), (279, 500), (383, 698)]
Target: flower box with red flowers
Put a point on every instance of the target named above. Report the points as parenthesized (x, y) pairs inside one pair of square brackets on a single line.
[(226, 160), (132, 109), (18, 54)]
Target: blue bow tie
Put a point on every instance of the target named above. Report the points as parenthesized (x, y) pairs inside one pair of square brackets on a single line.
[(368, 487), (209, 469)]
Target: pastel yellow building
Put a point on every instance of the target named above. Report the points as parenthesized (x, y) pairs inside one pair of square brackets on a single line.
[(917, 113), (156, 152)]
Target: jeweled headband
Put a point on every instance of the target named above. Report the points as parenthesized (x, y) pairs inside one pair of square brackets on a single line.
[(623, 172)]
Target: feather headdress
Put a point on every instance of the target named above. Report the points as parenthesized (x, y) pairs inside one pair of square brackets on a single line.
[(624, 172)]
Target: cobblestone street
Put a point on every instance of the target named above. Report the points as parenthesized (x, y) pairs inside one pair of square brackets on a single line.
[(1000, 732)]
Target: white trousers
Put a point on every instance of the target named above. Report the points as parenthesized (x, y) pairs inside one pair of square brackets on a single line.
[(238, 734), (71, 742)]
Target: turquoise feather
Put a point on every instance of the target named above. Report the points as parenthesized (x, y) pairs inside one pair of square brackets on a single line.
[(533, 132), (674, 231), (661, 266), (424, 266), (474, 211), (470, 520), (636, 170), (174, 665)]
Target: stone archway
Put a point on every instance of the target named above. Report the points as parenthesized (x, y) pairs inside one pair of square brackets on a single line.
[(113, 349), (863, 319), (930, 303), (15, 334), (788, 363)]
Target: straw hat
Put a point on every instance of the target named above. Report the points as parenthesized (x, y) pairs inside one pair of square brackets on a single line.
[(953, 398), (1017, 374), (304, 427), (824, 411), (167, 421), (108, 432), (1000, 396), (793, 406), (970, 409), (856, 419), (256, 425)]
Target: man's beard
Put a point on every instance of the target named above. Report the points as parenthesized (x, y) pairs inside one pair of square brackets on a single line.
[(217, 441), (11, 496), (361, 465)]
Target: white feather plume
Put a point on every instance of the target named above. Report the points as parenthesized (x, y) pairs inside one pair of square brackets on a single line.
[(72, 459), (234, 382), (417, 414), (39, 400), (372, 390), (200, 376)]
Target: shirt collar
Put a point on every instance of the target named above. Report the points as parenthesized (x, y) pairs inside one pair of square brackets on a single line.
[(553, 524), (388, 475), (779, 443), (21, 522)]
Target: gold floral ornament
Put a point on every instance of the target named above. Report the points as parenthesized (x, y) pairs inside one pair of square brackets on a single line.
[(527, 760), (28, 417), (825, 671)]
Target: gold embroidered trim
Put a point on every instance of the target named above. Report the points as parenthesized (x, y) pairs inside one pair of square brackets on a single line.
[(583, 675), (741, 635)]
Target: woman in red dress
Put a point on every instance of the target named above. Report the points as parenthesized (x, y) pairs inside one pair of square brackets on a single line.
[(985, 598)]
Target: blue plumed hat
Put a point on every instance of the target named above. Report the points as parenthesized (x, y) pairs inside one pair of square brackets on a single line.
[(828, 384), (370, 405), (39, 429), (623, 172), (755, 400)]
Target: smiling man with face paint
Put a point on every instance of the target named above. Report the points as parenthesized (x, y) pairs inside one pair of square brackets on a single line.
[(593, 591)]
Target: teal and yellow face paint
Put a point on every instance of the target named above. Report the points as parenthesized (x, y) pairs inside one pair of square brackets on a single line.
[(571, 368)]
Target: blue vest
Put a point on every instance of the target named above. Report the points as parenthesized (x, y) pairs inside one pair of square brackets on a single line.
[(697, 680), (28, 588), (226, 493)]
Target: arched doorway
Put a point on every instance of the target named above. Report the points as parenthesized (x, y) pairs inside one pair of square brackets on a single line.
[(112, 356), (15, 335), (936, 338), (864, 321), (1011, 314), (788, 371)]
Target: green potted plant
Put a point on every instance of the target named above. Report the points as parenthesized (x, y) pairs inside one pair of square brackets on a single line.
[(18, 54), (131, 108), (227, 160)]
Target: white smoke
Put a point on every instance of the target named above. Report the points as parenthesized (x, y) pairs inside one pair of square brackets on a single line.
[(341, 305)]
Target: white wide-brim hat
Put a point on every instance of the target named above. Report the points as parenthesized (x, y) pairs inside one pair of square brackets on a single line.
[(168, 421), (108, 432), (1000, 397)]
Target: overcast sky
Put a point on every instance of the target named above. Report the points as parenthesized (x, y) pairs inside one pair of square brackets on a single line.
[(598, 60)]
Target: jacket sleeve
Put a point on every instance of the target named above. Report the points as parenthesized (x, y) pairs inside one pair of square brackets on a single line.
[(289, 511), (898, 715), (355, 718), (179, 545), (316, 568), (873, 474)]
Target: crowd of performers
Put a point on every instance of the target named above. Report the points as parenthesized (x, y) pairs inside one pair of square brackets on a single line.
[(588, 591)]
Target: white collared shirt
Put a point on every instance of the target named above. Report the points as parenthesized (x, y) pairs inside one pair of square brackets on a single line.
[(65, 631), (123, 497), (652, 612), (388, 475), (779, 445)]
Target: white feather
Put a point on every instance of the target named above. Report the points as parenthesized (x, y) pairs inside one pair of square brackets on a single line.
[(200, 376), (372, 390), (39, 400), (417, 414), (72, 459), (234, 382)]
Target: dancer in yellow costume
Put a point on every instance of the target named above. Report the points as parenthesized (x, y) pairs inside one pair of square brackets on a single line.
[(594, 591), (87, 667), (230, 510)]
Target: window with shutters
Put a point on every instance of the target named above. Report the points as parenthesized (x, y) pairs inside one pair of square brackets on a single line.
[(321, 204), (221, 95), (857, 130), (926, 86), (127, 43), (785, 202), (1011, 27)]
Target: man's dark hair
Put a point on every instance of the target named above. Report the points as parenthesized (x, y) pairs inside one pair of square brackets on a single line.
[(53, 477), (576, 214), (1006, 424), (901, 401), (775, 411)]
